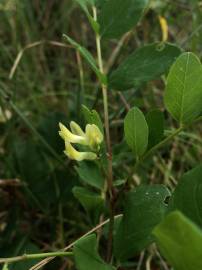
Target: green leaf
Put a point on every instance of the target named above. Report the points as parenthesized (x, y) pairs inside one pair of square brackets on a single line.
[(187, 196), (145, 64), (180, 241), (143, 210), (92, 202), (183, 95), (155, 121), (136, 131), (90, 173), (118, 17), (92, 117), (88, 57), (86, 255)]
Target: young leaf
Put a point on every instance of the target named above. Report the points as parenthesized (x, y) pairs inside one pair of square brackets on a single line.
[(155, 121), (180, 241), (143, 210), (88, 57), (136, 131), (187, 197), (118, 17), (89, 172), (92, 117), (183, 95), (145, 64), (86, 255)]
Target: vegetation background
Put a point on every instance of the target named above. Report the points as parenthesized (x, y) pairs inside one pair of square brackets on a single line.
[(43, 81)]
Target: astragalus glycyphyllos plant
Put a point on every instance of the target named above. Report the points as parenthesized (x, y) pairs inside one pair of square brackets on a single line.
[(151, 213)]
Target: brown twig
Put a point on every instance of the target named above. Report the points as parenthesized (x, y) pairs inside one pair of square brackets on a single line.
[(47, 260)]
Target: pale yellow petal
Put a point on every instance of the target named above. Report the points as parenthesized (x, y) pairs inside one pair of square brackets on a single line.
[(94, 136), (70, 137), (76, 129), (72, 153), (98, 134)]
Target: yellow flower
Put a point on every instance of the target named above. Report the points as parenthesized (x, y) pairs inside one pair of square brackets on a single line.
[(76, 129), (72, 153), (92, 137), (71, 137)]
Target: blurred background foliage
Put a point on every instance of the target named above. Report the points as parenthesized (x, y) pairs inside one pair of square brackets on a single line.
[(43, 81)]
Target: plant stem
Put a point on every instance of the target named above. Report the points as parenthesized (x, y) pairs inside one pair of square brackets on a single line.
[(150, 151), (162, 143), (95, 229), (167, 139), (35, 256), (108, 140), (104, 89)]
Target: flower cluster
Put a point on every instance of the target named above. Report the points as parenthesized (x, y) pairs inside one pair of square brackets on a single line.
[(92, 138)]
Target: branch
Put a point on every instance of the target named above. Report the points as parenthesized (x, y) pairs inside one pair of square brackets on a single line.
[(35, 256), (47, 260)]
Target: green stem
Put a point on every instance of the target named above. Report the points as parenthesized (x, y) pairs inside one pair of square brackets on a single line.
[(105, 103), (35, 256), (162, 143), (167, 139), (108, 140), (151, 151)]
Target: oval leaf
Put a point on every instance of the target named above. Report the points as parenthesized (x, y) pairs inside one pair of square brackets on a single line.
[(144, 209), (183, 96), (136, 131), (145, 64), (92, 202), (90, 173), (118, 17), (86, 255), (187, 196), (180, 241)]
